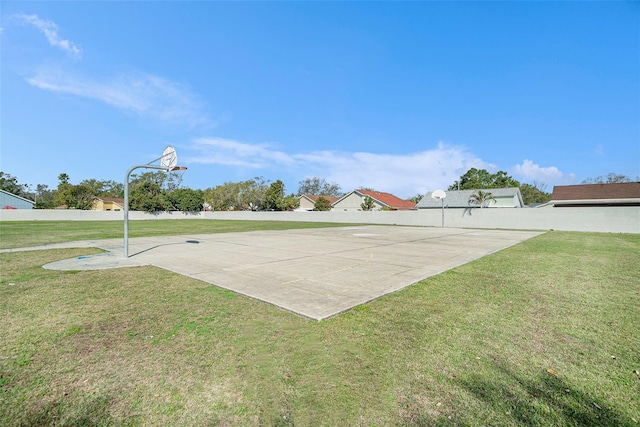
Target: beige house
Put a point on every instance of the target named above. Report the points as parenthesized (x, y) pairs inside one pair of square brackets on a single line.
[(353, 201), (108, 204), (308, 201)]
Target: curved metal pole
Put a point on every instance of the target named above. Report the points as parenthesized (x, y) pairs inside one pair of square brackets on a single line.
[(126, 202)]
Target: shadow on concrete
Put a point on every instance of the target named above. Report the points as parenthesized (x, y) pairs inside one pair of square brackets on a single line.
[(165, 244)]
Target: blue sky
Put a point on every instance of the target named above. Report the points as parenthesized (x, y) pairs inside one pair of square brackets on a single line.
[(403, 97)]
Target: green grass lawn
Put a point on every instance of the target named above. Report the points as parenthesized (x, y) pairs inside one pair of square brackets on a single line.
[(542, 333), (18, 234)]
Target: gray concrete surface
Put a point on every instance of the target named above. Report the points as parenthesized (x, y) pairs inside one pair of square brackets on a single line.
[(316, 273)]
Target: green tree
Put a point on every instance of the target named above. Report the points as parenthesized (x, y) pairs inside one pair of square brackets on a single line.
[(114, 189), (416, 198), (79, 196), (220, 198), (104, 188), (10, 184), (82, 197), (44, 197), (475, 179), (64, 195), (245, 195), (148, 197), (502, 180), (481, 198), (63, 178), (164, 180), (253, 193), (318, 186), (186, 199), (290, 203), (534, 193), (367, 204), (322, 204), (74, 197), (274, 195)]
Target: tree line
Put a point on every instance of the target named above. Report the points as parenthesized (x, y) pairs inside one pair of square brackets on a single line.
[(162, 191), (475, 179), (151, 192), (481, 179), (258, 194)]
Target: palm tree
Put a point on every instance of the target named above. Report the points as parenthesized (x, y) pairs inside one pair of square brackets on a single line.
[(481, 198)]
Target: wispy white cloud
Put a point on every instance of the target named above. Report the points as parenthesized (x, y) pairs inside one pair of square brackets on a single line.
[(141, 93), (228, 152), (50, 31), (402, 174), (550, 175), (144, 94)]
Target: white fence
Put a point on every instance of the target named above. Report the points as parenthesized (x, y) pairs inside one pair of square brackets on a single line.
[(599, 219)]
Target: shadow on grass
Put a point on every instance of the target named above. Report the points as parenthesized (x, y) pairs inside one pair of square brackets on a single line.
[(94, 411), (505, 398), (510, 399), (544, 398)]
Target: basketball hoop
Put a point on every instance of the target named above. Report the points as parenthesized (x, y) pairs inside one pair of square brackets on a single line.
[(168, 163), (176, 173), (440, 195), (169, 158)]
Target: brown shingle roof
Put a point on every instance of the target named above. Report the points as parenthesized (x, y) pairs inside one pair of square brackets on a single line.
[(626, 190), (117, 200), (331, 199)]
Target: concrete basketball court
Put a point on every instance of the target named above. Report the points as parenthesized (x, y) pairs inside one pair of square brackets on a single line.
[(316, 273)]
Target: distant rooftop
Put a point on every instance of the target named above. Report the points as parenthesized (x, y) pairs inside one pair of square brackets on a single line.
[(460, 198), (624, 190), (616, 194), (314, 198), (388, 199)]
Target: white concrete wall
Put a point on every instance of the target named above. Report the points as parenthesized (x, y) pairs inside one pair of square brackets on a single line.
[(598, 219)]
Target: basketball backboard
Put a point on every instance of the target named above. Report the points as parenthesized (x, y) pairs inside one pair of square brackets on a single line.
[(169, 158)]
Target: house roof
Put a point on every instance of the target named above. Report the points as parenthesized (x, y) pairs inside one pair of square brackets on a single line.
[(17, 197), (116, 200), (460, 198), (314, 198), (386, 199), (111, 199), (625, 190)]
